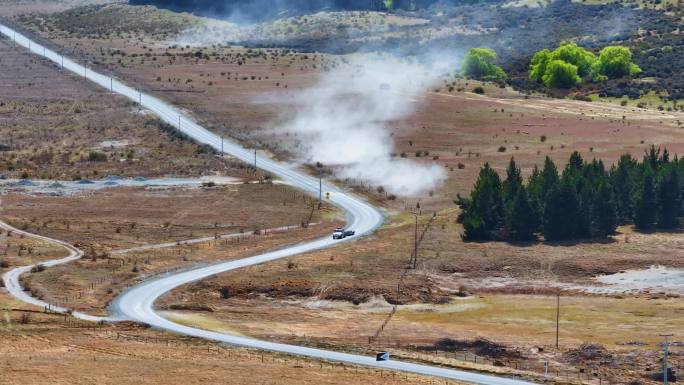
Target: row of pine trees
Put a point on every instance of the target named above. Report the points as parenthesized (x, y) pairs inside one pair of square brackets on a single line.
[(585, 200)]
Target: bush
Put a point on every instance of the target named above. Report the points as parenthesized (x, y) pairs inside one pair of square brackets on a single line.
[(225, 292), (614, 62), (560, 74), (568, 64), (479, 90), (479, 64), (97, 156)]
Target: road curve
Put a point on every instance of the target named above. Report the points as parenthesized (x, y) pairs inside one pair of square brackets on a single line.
[(13, 285), (137, 304)]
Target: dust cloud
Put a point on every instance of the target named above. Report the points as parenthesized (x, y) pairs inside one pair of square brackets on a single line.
[(344, 121)]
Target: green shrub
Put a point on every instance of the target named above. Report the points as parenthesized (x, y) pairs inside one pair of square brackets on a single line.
[(479, 64)]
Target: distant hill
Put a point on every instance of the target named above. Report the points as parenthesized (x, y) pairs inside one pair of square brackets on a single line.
[(256, 10)]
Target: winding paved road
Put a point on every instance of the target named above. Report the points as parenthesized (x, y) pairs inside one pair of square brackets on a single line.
[(137, 304)]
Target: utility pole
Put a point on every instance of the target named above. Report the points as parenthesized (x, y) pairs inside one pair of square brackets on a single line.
[(320, 188), (255, 163), (111, 85), (62, 56), (140, 98), (415, 244), (557, 316), (223, 132), (666, 351), (414, 263), (179, 122)]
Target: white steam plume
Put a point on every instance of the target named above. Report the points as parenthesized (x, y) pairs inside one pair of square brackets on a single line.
[(342, 122)]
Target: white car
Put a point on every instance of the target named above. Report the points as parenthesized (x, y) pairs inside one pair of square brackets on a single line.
[(339, 233)]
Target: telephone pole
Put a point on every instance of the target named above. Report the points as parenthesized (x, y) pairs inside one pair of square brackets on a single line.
[(320, 188), (414, 262), (666, 351), (557, 316), (223, 131)]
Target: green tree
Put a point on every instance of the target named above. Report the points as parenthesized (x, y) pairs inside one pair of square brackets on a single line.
[(624, 185), (605, 216), (560, 74), (646, 208), (573, 54), (583, 219), (561, 212), (540, 61), (670, 200), (549, 177), (478, 64), (575, 165), (474, 228), (483, 212), (614, 62), (513, 182), (522, 220)]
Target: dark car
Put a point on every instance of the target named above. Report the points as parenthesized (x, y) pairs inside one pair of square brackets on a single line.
[(349, 233)]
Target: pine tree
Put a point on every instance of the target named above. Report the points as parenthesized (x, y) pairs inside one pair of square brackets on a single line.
[(474, 228), (483, 212), (652, 158), (585, 212), (670, 200), (561, 210), (534, 195), (624, 184), (513, 182), (645, 214), (605, 216), (575, 163), (549, 177), (522, 220)]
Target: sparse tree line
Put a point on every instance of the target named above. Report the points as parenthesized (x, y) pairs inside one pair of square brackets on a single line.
[(564, 67), (584, 200)]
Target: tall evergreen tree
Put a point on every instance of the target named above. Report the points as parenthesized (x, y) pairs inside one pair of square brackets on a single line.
[(483, 212), (522, 220), (513, 182), (584, 215), (534, 195), (549, 177), (624, 185), (561, 210), (645, 214), (670, 199), (605, 216), (575, 163)]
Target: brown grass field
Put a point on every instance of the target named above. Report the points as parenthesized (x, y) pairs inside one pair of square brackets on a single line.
[(338, 298)]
